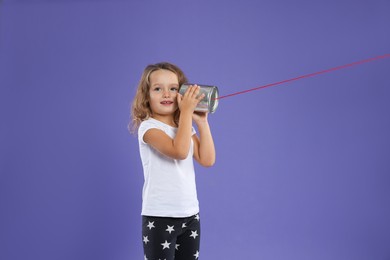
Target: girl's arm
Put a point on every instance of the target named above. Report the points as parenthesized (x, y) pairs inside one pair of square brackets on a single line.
[(177, 148), (204, 150)]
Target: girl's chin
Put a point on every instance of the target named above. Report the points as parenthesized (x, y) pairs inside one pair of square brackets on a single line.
[(168, 110)]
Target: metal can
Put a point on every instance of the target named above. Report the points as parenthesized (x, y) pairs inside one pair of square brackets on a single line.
[(210, 101)]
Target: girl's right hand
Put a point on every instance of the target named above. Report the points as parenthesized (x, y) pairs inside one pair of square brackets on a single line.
[(190, 99)]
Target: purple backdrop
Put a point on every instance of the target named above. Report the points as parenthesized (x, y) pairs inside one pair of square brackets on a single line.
[(303, 169)]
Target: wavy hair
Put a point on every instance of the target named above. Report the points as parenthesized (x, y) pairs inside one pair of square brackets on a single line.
[(140, 108)]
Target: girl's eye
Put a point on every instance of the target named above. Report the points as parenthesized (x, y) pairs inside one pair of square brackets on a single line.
[(174, 89), (157, 89)]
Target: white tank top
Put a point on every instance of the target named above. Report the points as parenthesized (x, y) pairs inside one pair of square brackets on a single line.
[(169, 189)]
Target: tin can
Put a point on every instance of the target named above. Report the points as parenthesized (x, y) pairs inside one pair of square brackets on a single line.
[(210, 101)]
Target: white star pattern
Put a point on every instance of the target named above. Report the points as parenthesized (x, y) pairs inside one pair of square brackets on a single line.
[(151, 225), (159, 226), (165, 244), (169, 229), (194, 234)]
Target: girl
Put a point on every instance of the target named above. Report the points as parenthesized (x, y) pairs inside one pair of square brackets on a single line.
[(168, 143)]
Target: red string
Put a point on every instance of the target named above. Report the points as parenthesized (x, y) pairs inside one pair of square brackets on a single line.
[(307, 75)]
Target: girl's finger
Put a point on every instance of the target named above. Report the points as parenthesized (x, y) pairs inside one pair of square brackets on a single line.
[(201, 96), (189, 91), (196, 90), (179, 98)]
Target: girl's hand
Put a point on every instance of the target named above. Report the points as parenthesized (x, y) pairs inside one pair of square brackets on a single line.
[(190, 99), (200, 117)]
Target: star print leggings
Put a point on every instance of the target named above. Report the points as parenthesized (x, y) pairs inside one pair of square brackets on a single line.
[(171, 238)]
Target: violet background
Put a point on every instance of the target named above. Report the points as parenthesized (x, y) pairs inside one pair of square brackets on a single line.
[(303, 169)]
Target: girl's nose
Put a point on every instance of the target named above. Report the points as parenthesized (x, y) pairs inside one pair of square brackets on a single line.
[(166, 93)]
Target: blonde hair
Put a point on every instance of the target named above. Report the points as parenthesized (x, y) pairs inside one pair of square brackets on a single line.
[(140, 108)]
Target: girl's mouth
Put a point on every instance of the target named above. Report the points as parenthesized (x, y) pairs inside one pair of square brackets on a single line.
[(166, 102)]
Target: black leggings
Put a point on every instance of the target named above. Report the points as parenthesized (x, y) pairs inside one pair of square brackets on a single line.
[(171, 238)]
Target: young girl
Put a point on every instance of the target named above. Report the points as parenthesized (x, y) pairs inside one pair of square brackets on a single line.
[(168, 143)]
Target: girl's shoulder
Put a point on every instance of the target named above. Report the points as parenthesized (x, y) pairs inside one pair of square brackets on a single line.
[(151, 123), (154, 123)]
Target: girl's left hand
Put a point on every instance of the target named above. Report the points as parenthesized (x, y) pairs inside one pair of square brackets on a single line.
[(200, 117)]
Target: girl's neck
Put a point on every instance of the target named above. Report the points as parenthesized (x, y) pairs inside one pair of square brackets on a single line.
[(169, 120)]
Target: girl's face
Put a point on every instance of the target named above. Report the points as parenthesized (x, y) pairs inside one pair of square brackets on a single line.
[(164, 86)]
